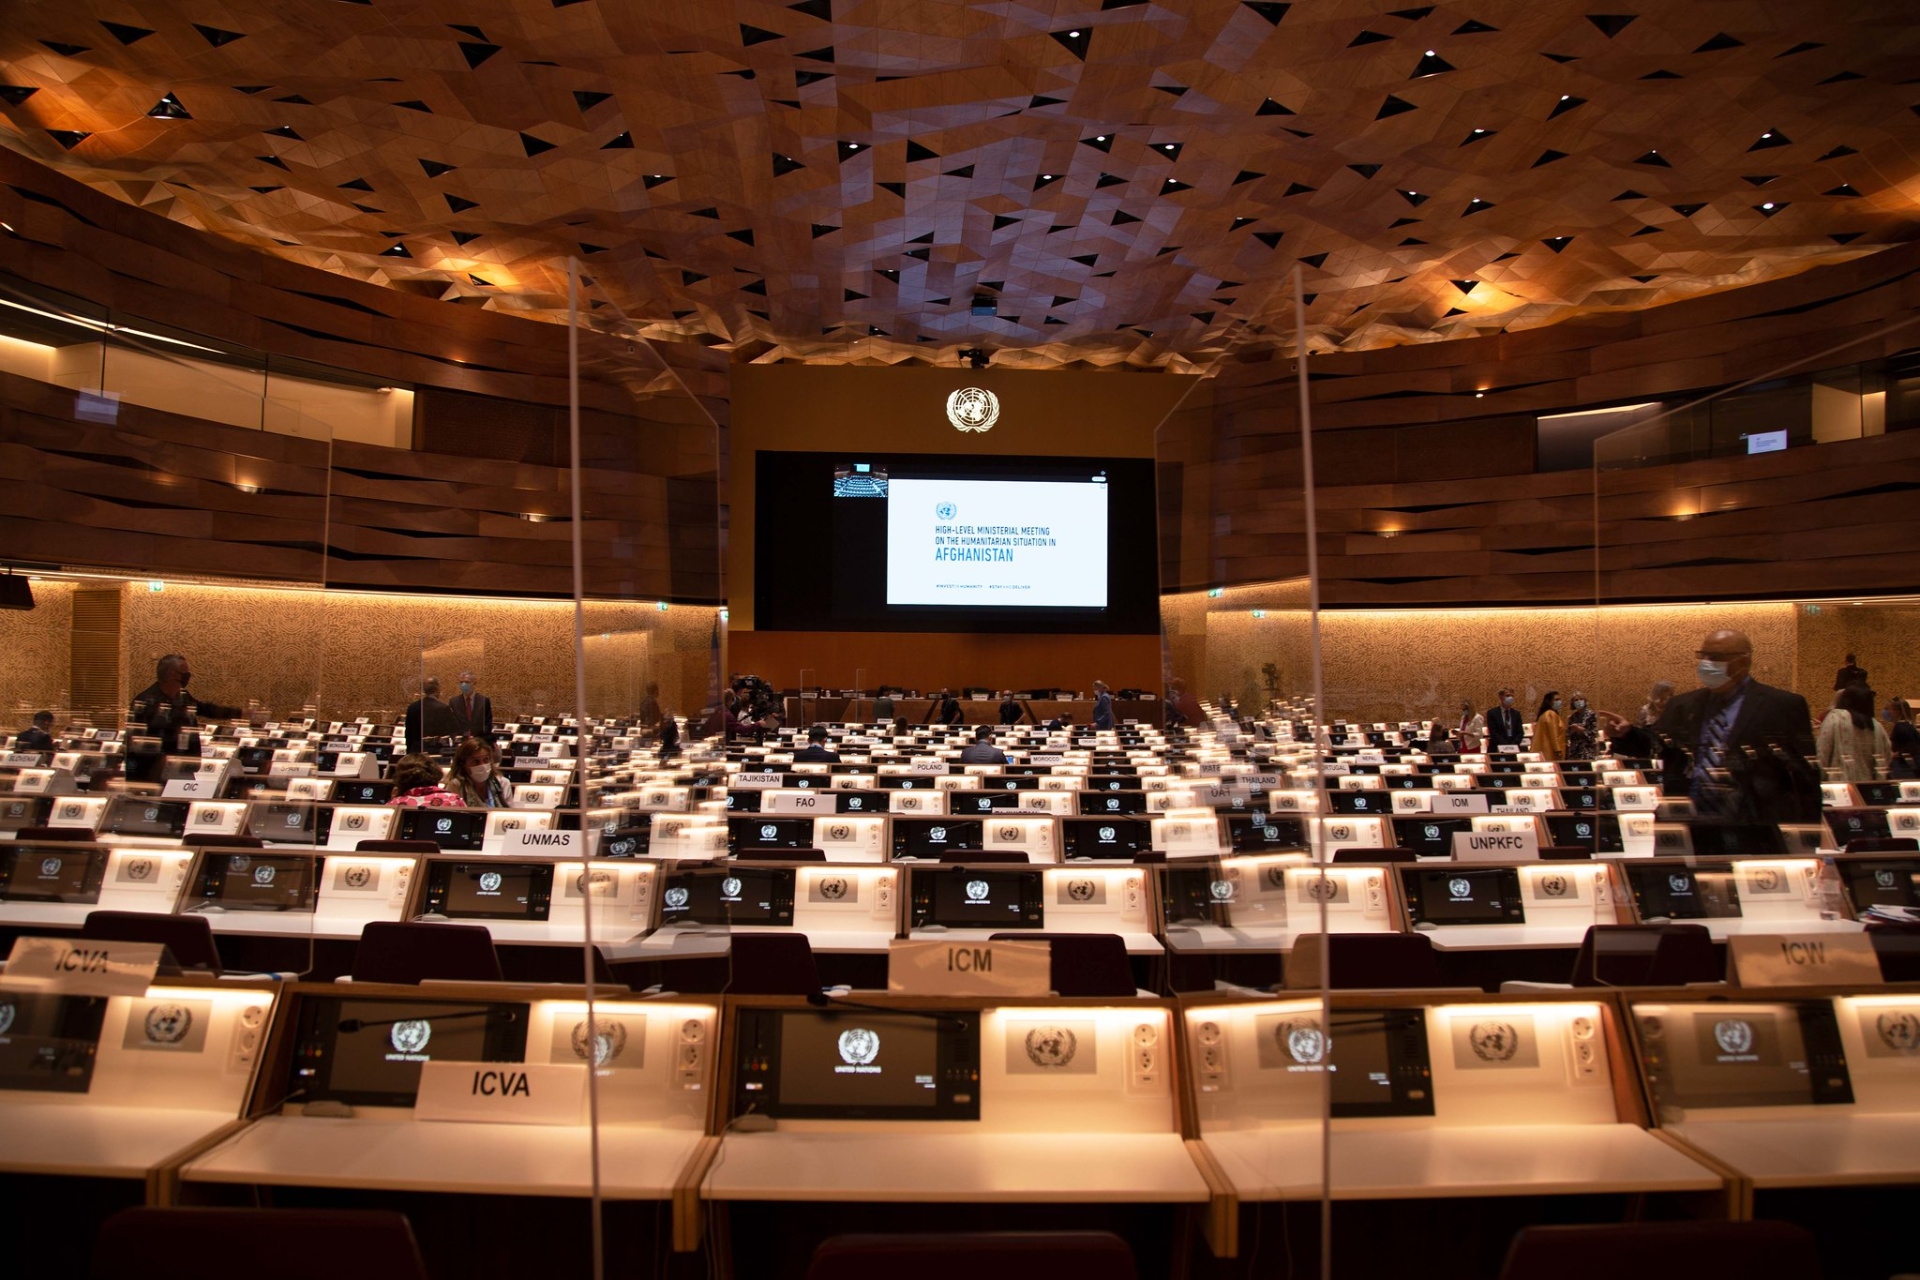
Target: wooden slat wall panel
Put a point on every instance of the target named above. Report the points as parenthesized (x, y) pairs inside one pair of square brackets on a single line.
[(94, 654)]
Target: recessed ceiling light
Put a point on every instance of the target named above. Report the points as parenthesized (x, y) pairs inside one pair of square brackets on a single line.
[(1169, 146), (1073, 35), (1767, 205), (1101, 138), (1565, 96)]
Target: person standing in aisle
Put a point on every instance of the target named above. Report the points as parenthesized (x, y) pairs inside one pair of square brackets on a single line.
[(1550, 727), (1741, 749), (1583, 729), (1854, 747), (1102, 706), (164, 719), (1472, 729), (472, 713), (1503, 723)]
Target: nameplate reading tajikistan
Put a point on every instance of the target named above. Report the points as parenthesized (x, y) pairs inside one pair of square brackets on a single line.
[(502, 1092), (941, 968), (82, 966)]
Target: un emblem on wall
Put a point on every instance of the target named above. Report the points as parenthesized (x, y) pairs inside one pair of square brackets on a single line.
[(973, 409), (833, 889), (1051, 1046)]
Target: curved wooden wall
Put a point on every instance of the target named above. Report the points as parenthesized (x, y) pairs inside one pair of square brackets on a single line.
[(1403, 446)]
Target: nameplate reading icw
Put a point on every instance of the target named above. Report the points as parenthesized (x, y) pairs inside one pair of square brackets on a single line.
[(1496, 846), (502, 1092), (82, 966), (941, 968), (565, 843), (1802, 959)]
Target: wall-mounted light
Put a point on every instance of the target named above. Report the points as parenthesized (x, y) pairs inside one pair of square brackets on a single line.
[(1259, 613)]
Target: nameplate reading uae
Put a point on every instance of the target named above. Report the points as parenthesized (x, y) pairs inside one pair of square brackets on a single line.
[(82, 966), (940, 968), (502, 1092), (1802, 959)]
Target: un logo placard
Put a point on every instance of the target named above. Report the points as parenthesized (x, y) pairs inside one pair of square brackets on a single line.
[(973, 409)]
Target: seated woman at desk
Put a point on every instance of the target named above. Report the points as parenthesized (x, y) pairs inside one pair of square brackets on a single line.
[(476, 779), (417, 785)]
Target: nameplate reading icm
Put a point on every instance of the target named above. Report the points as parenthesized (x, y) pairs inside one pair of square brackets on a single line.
[(1459, 802), (942, 968), (82, 966), (549, 843), (501, 1092), (1802, 959), (1496, 846), (191, 789)]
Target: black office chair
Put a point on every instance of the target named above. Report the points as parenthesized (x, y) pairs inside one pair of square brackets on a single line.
[(40, 835), (188, 939), (225, 842), (396, 846), (984, 856), (1664, 1251), (1646, 955), (780, 855), (414, 951), (772, 964), (1364, 961), (1897, 947), (1085, 1255), (1378, 853), (1884, 844), (1084, 964), (289, 1244)]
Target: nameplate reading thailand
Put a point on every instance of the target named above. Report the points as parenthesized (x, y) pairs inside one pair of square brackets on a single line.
[(502, 1092), (191, 789), (1496, 846), (1802, 959), (82, 966), (566, 843), (941, 968)]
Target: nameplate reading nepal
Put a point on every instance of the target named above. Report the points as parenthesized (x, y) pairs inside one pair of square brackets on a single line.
[(989, 541)]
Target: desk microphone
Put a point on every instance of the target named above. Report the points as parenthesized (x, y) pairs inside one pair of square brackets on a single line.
[(823, 1000)]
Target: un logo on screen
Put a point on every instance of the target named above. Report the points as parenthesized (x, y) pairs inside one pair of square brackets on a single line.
[(946, 510), (973, 409)]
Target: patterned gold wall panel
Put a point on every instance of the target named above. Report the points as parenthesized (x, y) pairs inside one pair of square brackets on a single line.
[(1884, 637), (35, 674)]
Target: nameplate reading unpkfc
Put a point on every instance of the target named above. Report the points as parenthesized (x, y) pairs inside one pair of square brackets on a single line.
[(82, 966), (1496, 846)]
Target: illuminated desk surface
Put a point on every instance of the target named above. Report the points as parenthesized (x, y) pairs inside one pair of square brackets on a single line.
[(1138, 944), (385, 1149), (1506, 937), (1283, 1162), (94, 1141), (712, 941), (1723, 929), (945, 1167), (1809, 1151)]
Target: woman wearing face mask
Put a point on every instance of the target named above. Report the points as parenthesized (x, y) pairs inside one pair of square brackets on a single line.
[(1550, 727), (474, 779), (1472, 729), (1854, 747), (1583, 729)]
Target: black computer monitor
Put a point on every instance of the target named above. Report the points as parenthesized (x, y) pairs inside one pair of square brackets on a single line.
[(18, 811), (1264, 833), (50, 1042), (258, 881), (1889, 882), (1378, 1058), (979, 898), (717, 896), (1599, 832), (138, 816), (1370, 803), (745, 799), (290, 821), (496, 889), (1776, 1055), (457, 830), (1463, 895), (1109, 839), (1097, 803), (982, 801), (368, 1052), (857, 1064), (768, 832), (362, 791), (852, 801), (1428, 836), (1673, 892), (1857, 824), (1878, 793), (1716, 838), (52, 873), (937, 837)]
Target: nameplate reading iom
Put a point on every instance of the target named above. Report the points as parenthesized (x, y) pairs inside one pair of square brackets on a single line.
[(940, 968), (502, 1092), (1496, 846), (566, 843), (82, 966)]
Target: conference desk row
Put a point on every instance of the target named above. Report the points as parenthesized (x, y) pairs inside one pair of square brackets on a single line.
[(1175, 1119), (859, 711)]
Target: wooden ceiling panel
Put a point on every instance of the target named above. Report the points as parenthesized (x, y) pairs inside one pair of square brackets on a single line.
[(836, 180)]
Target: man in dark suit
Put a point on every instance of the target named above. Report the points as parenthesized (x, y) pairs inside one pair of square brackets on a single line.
[(1102, 706), (473, 712), (1851, 674), (982, 750), (1503, 723), (816, 751), (945, 709), (165, 719), (1743, 750), (1012, 710), (428, 719)]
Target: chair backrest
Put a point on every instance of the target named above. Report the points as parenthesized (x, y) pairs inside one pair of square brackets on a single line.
[(396, 846), (1664, 1251), (288, 1244), (1084, 964), (226, 842), (780, 855), (28, 835), (1884, 844), (1898, 950), (1364, 961), (414, 951), (985, 855), (772, 964), (1085, 1255), (188, 939), (1375, 854), (1647, 955)]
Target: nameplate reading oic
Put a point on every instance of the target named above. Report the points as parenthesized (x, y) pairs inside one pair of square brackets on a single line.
[(502, 1092), (1496, 846), (81, 966), (937, 967), (191, 789), (1802, 959)]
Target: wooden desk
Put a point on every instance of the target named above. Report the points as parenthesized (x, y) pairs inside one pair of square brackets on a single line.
[(98, 1142), (385, 1149), (1283, 1162), (945, 1167), (1841, 1151), (914, 710)]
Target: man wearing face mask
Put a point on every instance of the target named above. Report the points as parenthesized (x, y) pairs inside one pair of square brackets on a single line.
[(472, 712), (1503, 723), (165, 719), (1743, 750)]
